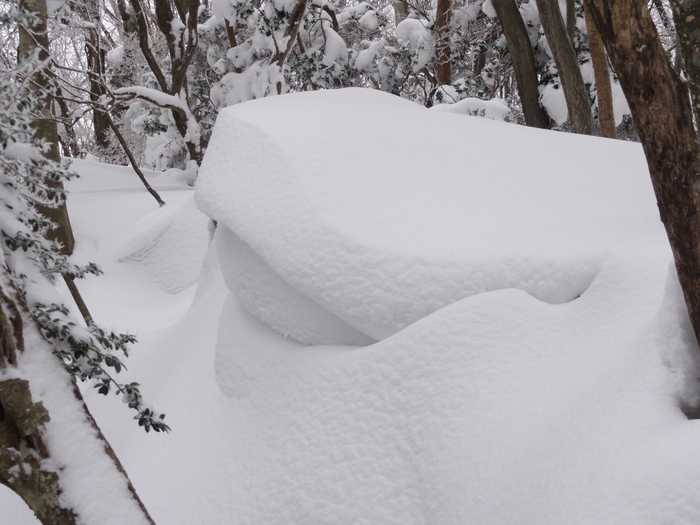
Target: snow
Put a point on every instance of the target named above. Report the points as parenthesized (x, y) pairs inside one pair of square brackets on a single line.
[(354, 12), (335, 50), (419, 39), (553, 101), (168, 245), (533, 348), (276, 302), (115, 56), (366, 57), (488, 9), (412, 30), (370, 20), (22, 151), (494, 109), (382, 244), (154, 97), (89, 481)]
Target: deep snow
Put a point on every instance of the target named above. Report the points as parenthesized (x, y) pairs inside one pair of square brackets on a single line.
[(533, 347)]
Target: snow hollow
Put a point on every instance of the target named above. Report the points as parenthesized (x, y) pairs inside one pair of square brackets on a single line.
[(403, 316)]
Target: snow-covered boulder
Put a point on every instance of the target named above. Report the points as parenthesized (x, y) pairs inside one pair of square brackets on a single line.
[(374, 211)]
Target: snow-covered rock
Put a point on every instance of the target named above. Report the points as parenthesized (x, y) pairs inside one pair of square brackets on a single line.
[(382, 212)]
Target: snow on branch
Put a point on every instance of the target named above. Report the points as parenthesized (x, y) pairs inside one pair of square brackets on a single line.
[(153, 96)]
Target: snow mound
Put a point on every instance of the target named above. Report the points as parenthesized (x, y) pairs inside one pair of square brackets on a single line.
[(168, 245), (564, 412), (397, 211)]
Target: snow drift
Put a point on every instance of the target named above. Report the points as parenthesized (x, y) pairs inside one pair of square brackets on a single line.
[(533, 348), (381, 212)]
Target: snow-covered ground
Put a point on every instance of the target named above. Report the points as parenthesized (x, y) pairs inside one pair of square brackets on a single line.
[(520, 346)]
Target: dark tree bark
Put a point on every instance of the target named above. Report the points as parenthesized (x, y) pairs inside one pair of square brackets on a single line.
[(96, 56), (22, 444), (134, 165), (686, 14), (575, 92), (523, 62), (401, 10), (606, 115), (69, 142), (571, 19), (443, 19), (96, 68), (30, 39), (660, 106), (144, 43)]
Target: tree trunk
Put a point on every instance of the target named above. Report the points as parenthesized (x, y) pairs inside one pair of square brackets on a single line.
[(571, 19), (575, 92), (182, 39), (523, 62), (22, 444), (36, 38), (401, 11), (443, 19), (660, 106), (686, 14), (606, 115), (96, 70), (24, 449)]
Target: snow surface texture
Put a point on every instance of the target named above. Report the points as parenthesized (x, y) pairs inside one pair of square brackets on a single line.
[(497, 409), (159, 244), (401, 211), (148, 253)]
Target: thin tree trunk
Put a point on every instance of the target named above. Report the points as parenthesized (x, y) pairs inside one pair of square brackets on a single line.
[(660, 106), (79, 301), (36, 38), (401, 11), (479, 63), (443, 19), (571, 19), (606, 115), (686, 14), (575, 92), (231, 34), (22, 445), (70, 140), (293, 26), (96, 69), (144, 42), (132, 160), (523, 62)]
